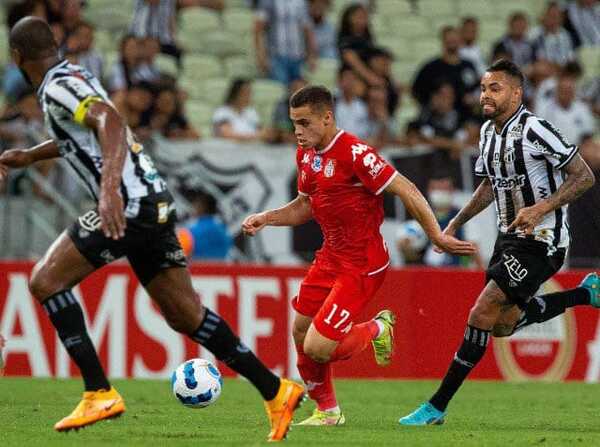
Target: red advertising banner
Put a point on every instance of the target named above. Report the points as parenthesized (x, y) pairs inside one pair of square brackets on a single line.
[(432, 306)]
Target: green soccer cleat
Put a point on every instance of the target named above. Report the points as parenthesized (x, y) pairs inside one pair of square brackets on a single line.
[(324, 418), (383, 346), (591, 283)]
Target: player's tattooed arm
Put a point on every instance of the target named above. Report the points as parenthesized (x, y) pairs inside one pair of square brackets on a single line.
[(579, 179), (481, 199), (296, 212), (418, 207)]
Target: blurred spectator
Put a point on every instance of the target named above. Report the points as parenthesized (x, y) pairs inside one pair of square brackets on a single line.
[(442, 127), (237, 120), (552, 43), (515, 45), (135, 104), (284, 39), (582, 21), (132, 66), (70, 16), (53, 11), (323, 29), (168, 118), (80, 44), (26, 127), (380, 126), (449, 68), (590, 93), (380, 62), (411, 241), (470, 49), (283, 128), (158, 19), (351, 113), (572, 116), (546, 90), (147, 70), (356, 43), (205, 236)]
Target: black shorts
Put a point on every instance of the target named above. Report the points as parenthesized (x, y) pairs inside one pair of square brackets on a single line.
[(520, 266), (150, 243)]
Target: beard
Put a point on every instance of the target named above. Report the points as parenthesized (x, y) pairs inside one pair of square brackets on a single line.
[(496, 112)]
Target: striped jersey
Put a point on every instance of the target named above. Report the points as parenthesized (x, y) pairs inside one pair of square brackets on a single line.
[(65, 94), (524, 164)]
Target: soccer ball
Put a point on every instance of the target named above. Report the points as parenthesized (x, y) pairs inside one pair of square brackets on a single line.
[(197, 383), (413, 232)]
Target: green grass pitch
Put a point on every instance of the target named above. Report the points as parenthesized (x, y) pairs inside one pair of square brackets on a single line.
[(484, 414)]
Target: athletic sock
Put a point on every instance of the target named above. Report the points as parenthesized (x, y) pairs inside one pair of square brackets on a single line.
[(216, 336), (356, 340), (66, 315), (317, 377), (470, 353)]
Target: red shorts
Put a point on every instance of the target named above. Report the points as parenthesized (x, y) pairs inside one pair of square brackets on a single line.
[(335, 299)]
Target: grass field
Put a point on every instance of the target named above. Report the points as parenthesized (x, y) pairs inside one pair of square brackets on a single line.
[(485, 414)]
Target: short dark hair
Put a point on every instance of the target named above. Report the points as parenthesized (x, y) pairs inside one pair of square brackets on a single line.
[(469, 19), (234, 89), (508, 67), (316, 96), (33, 39)]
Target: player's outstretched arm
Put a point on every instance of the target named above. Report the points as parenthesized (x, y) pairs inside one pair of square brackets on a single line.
[(579, 179), (296, 212), (20, 158), (111, 132), (480, 200), (418, 207)]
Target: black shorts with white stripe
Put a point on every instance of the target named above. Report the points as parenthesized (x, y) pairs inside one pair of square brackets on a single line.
[(150, 243), (520, 266)]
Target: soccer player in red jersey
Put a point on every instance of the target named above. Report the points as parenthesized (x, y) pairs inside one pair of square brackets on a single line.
[(340, 181)]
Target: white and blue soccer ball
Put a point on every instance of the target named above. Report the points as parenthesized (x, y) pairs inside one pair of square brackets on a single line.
[(414, 233), (197, 383)]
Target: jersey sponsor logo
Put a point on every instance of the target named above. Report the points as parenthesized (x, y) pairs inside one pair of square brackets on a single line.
[(329, 169), (516, 132), (90, 221), (543, 192), (163, 212), (543, 352), (513, 182), (107, 256), (514, 268), (358, 149), (543, 148), (175, 256), (317, 163), (376, 170)]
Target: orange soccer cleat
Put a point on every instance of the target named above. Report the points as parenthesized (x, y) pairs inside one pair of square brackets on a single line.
[(95, 406), (281, 409)]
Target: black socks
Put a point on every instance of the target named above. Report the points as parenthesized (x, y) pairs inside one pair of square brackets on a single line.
[(469, 354), (67, 317), (216, 336)]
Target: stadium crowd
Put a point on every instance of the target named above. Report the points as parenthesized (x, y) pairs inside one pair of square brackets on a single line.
[(288, 43)]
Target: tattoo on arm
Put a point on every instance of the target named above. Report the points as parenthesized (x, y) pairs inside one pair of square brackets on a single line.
[(481, 199), (580, 178)]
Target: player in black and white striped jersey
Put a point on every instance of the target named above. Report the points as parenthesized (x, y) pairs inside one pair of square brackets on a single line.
[(531, 173), (134, 218)]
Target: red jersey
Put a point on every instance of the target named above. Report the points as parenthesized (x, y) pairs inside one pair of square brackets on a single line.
[(344, 182)]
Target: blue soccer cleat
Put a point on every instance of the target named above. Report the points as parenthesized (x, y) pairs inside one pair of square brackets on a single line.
[(591, 283), (426, 414)]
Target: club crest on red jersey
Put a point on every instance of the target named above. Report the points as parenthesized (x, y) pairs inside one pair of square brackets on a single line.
[(329, 169), (317, 163)]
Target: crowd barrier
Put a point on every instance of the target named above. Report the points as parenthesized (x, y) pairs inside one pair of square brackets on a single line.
[(432, 307)]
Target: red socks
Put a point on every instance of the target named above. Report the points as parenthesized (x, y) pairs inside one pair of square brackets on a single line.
[(356, 341)]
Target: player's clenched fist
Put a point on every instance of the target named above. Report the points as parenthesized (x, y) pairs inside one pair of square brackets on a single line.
[(15, 158), (254, 223)]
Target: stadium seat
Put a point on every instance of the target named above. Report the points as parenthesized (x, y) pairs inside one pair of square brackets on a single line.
[(325, 73), (265, 90), (199, 20), (213, 90), (105, 41), (199, 113), (393, 9), (427, 48), (437, 8), (400, 46), (167, 65), (590, 60), (404, 71), (236, 66), (201, 66), (239, 21), (477, 8), (412, 26)]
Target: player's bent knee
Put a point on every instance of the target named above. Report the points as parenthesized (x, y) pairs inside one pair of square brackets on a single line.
[(316, 353), (502, 330), (40, 285), (181, 323)]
